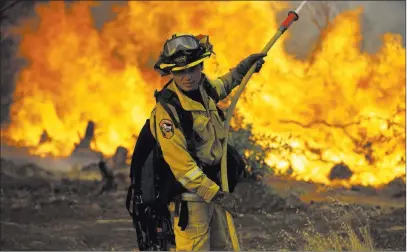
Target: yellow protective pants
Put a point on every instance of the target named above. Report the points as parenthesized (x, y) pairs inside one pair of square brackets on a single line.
[(206, 230)]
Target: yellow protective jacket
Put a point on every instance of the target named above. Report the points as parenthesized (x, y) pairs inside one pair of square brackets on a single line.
[(210, 129)]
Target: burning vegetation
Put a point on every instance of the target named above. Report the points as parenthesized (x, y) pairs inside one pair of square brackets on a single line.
[(341, 111)]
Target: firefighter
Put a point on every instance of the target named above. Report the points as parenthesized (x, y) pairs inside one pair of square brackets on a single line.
[(182, 58)]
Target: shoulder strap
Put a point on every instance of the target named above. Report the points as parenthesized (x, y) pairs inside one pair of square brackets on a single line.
[(166, 84), (185, 122), (162, 98), (211, 91)]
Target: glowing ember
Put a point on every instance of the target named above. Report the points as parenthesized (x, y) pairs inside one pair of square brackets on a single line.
[(340, 106)]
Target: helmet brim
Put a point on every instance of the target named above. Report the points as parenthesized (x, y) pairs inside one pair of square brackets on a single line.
[(192, 64), (165, 69)]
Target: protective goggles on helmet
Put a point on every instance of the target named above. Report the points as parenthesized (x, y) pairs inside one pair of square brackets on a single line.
[(184, 42)]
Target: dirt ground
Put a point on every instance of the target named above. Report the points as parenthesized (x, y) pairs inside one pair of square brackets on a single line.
[(42, 212)]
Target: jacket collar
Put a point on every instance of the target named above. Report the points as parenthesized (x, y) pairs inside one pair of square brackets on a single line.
[(211, 104), (186, 102)]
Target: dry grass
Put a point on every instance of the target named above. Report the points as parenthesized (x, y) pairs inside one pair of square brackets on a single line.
[(345, 239), (346, 229)]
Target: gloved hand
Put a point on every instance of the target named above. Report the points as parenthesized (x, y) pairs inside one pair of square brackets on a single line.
[(227, 201), (244, 66)]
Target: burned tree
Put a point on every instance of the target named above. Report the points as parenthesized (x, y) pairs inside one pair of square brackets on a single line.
[(84, 143), (89, 136), (108, 182), (120, 157)]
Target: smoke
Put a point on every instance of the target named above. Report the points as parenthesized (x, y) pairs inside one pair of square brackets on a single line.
[(11, 13), (103, 12), (382, 17), (378, 17)]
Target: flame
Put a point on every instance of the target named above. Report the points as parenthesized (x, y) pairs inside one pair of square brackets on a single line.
[(341, 105)]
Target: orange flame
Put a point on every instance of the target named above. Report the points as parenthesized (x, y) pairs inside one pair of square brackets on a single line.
[(341, 105)]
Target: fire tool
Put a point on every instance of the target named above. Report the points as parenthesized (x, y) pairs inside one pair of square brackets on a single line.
[(292, 16)]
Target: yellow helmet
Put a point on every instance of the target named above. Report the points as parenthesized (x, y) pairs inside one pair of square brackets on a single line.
[(183, 51)]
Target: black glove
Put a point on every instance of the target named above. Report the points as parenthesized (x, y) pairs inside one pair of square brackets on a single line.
[(244, 66), (227, 201)]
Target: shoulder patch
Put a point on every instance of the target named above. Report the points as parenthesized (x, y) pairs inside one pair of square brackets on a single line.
[(167, 128)]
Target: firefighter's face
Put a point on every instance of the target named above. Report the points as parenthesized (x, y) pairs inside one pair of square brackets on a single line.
[(188, 79)]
